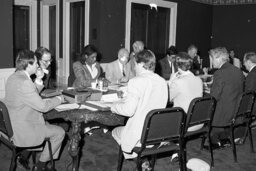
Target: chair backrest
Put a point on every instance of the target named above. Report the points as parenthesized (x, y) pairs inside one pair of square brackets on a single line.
[(246, 104), (200, 111), (5, 122), (163, 125)]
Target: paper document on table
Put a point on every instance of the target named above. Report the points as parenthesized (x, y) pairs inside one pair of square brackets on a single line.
[(109, 97), (64, 107), (83, 106)]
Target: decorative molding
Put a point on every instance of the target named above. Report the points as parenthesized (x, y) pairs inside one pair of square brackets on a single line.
[(226, 2)]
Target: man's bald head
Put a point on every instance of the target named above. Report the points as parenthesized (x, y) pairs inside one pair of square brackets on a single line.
[(138, 46), (123, 55)]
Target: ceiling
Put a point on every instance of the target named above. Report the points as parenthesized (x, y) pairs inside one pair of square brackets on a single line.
[(227, 2)]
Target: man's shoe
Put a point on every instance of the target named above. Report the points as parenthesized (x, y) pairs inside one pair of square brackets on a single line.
[(239, 141), (216, 146), (35, 168), (23, 163), (146, 166), (174, 158), (225, 142)]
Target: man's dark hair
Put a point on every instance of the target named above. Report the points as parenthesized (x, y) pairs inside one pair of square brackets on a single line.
[(24, 58), (184, 61), (148, 58), (40, 52), (172, 50)]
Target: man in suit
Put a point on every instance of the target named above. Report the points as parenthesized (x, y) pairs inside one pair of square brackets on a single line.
[(250, 85), (26, 108), (167, 65), (146, 91), (250, 63), (227, 88), (196, 66), (119, 70), (44, 60)]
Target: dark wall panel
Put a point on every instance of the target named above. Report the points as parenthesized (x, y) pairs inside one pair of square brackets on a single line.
[(194, 26), (234, 27), (6, 43), (107, 27)]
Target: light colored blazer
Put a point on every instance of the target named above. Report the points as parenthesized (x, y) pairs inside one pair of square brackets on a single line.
[(146, 92), (184, 88), (25, 108), (83, 75), (113, 72)]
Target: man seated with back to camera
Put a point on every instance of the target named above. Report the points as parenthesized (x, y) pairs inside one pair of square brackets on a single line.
[(184, 86), (26, 109), (227, 88), (146, 91), (250, 85), (120, 70)]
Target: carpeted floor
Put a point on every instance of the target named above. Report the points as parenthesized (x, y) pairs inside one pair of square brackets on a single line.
[(99, 153)]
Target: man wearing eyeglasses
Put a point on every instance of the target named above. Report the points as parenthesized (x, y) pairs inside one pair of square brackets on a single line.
[(44, 61)]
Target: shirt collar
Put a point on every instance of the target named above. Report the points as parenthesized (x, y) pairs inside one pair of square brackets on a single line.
[(27, 74), (252, 67), (46, 71)]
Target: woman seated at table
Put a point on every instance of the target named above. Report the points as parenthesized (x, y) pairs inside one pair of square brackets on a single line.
[(86, 70), (184, 86)]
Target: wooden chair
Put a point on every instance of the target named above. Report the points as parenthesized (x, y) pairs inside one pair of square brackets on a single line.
[(201, 111), (6, 134), (161, 125), (241, 118)]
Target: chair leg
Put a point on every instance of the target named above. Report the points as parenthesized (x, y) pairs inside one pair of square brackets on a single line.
[(153, 161), (34, 157), (50, 152), (202, 142), (139, 163), (233, 144), (13, 161), (211, 151), (120, 159), (182, 160), (251, 140)]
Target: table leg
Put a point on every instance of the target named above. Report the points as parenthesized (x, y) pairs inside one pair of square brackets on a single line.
[(74, 148)]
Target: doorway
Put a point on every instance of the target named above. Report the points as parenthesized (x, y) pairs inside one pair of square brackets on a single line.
[(152, 23)]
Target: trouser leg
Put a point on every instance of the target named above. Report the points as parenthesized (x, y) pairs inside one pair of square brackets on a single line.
[(56, 135)]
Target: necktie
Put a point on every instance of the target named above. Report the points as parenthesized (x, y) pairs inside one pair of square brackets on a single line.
[(123, 71)]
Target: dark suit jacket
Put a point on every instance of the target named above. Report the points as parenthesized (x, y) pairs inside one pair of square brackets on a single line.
[(250, 84), (46, 79), (164, 69), (227, 89), (250, 81)]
